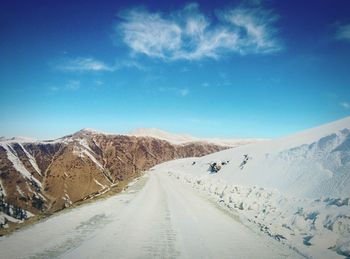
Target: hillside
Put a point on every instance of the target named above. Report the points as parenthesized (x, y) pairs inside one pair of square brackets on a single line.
[(46, 176)]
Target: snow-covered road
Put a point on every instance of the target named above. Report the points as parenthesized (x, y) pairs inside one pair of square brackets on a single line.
[(157, 217)]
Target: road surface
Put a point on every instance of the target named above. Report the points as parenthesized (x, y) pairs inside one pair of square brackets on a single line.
[(157, 217)]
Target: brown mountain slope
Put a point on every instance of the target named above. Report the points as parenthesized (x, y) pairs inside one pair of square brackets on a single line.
[(48, 176)]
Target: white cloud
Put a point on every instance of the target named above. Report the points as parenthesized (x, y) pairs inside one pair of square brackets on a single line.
[(84, 64), (129, 64), (175, 90), (88, 64), (343, 32), (98, 82), (183, 92), (191, 35), (73, 85), (54, 88), (345, 105), (150, 34), (256, 33)]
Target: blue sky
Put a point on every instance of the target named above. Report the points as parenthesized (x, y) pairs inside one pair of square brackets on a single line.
[(225, 69)]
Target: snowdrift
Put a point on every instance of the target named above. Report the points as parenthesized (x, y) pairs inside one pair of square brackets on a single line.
[(295, 189)]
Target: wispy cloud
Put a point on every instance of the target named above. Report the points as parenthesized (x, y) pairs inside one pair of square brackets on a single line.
[(255, 29), (88, 64), (192, 35), (73, 85), (98, 82), (183, 92), (343, 32), (81, 64), (175, 90), (54, 88), (345, 105)]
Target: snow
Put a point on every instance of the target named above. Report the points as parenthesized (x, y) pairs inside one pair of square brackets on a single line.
[(85, 144), (66, 198), (159, 134), (2, 189), (314, 167), (294, 189), (83, 149), (177, 139), (93, 131), (18, 189), (4, 218), (288, 197), (157, 217), (86, 152), (31, 159), (100, 184), (324, 223), (9, 218), (17, 163), (18, 139), (185, 138)]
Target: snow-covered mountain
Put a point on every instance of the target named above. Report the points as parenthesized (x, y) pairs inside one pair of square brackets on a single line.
[(46, 176), (311, 164), (186, 138), (296, 189), (293, 190)]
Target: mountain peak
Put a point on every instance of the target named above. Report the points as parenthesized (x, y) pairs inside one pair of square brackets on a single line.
[(89, 131), (163, 135), (178, 138), (19, 139)]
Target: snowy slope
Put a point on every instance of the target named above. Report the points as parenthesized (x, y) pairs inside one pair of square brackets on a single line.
[(312, 163), (185, 138), (296, 189)]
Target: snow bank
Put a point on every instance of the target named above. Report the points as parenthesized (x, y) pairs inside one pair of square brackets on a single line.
[(295, 189), (311, 164), (314, 227)]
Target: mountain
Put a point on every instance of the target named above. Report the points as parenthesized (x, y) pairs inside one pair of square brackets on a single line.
[(311, 164), (185, 138), (295, 189), (46, 176)]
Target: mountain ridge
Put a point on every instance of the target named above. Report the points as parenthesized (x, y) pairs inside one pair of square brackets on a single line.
[(45, 176), (173, 138)]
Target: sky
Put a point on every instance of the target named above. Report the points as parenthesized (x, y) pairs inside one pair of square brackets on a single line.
[(230, 69)]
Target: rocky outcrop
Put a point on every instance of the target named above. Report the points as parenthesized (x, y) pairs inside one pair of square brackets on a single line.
[(51, 175)]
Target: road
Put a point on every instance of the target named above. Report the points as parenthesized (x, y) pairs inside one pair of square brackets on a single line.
[(157, 217)]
